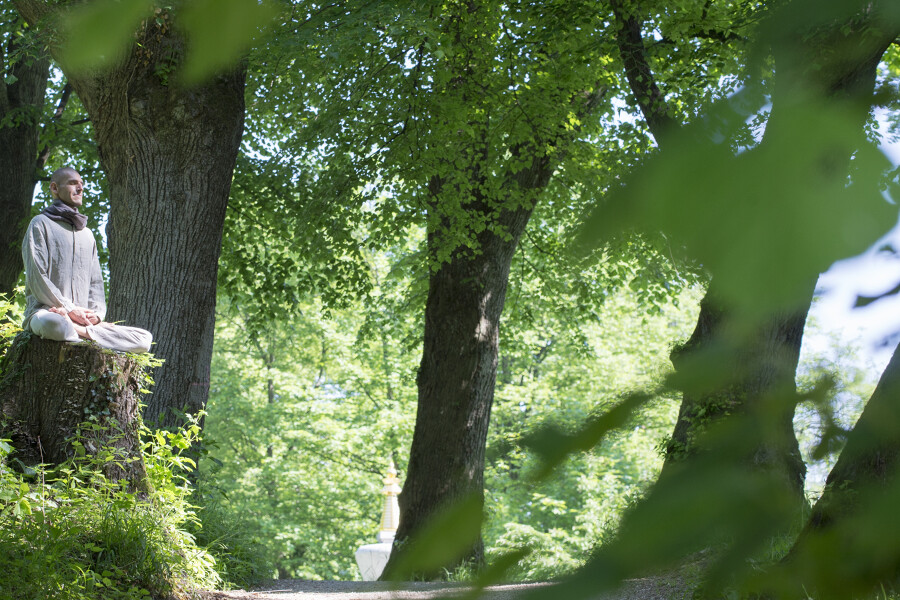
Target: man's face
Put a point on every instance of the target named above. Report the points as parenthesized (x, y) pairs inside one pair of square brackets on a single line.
[(69, 188)]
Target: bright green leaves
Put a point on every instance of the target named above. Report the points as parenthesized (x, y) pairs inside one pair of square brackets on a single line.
[(98, 33), (554, 447), (220, 32)]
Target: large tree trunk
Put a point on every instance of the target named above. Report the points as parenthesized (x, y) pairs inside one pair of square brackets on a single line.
[(834, 66), (761, 365), (169, 153), (850, 547), (52, 391), (459, 360), (766, 361), (456, 382), (18, 157)]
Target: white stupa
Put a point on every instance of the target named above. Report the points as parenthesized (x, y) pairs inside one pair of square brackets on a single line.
[(372, 558)]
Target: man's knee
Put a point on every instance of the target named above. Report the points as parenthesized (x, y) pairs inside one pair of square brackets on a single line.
[(142, 342), (121, 337), (52, 326)]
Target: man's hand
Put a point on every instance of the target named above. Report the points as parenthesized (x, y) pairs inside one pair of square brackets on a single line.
[(79, 316)]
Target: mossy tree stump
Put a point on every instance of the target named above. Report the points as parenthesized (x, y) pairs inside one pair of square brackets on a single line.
[(49, 389)]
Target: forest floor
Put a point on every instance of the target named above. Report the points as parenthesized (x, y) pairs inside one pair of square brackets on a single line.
[(665, 587)]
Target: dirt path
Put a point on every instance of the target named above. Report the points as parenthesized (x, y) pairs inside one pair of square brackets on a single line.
[(365, 590), (651, 588)]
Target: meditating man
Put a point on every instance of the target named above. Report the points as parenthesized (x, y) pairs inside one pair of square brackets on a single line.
[(63, 282)]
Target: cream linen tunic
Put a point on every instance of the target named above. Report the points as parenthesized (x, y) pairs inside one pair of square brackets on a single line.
[(62, 268)]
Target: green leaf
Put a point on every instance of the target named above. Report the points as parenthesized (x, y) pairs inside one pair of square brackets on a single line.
[(219, 32), (97, 33), (23, 507), (554, 447), (445, 539), (765, 222), (497, 571)]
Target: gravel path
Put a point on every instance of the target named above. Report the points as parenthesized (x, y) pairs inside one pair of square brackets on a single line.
[(650, 588)]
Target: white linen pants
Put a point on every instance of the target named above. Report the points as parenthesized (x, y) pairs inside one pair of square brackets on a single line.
[(52, 326)]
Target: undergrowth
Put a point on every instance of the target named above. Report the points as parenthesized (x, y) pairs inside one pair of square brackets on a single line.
[(68, 532)]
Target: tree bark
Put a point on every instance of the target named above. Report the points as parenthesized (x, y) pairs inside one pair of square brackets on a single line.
[(849, 548), (169, 153), (871, 458), (52, 391), (18, 154), (767, 360), (761, 366), (456, 380), (868, 465), (460, 353)]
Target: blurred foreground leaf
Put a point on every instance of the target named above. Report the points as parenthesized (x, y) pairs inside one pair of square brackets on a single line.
[(711, 502), (849, 558), (449, 535), (496, 572), (862, 301), (554, 446), (220, 31), (96, 33), (763, 222)]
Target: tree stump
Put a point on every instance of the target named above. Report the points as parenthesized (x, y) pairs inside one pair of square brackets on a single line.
[(50, 391)]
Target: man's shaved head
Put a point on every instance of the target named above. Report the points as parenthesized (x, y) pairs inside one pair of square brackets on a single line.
[(62, 174)]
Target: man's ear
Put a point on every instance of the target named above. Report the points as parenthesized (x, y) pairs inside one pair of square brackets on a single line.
[(54, 189)]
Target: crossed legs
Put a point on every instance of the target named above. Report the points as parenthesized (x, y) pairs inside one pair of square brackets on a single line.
[(52, 326)]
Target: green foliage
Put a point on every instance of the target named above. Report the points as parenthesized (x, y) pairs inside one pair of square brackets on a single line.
[(578, 504), (305, 413), (303, 457), (232, 539), (444, 540), (372, 123), (822, 426), (11, 316), (98, 34), (68, 531), (738, 226), (220, 32)]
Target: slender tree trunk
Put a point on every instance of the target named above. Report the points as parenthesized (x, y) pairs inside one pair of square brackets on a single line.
[(456, 380), (169, 153), (868, 466), (765, 361), (18, 156), (849, 547), (871, 458)]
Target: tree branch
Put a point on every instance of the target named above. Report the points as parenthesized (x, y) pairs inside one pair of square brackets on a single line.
[(44, 154), (649, 97), (33, 10)]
